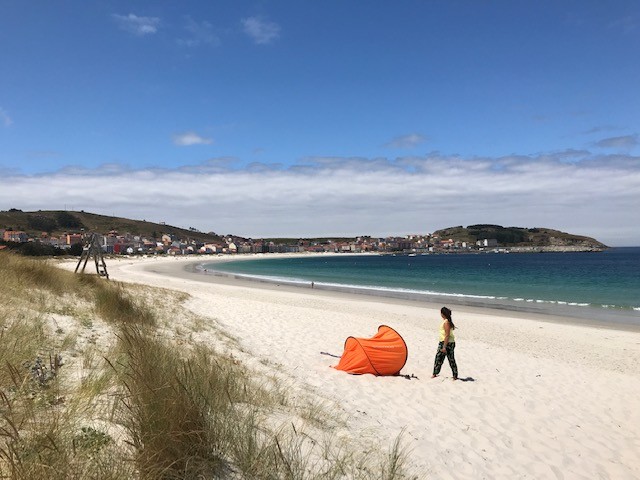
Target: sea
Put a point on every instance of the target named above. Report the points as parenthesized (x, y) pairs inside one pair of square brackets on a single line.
[(603, 287)]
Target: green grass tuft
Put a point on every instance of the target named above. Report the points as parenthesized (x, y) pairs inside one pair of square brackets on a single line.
[(147, 407)]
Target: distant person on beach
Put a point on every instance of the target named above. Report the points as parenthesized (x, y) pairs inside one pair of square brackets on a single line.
[(447, 344)]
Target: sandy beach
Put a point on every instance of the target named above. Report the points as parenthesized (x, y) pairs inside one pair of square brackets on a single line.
[(539, 398)]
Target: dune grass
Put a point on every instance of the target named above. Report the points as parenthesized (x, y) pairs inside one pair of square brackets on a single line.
[(141, 405)]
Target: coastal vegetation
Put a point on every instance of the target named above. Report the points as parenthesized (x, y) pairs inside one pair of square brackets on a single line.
[(57, 222), (107, 380), (518, 236)]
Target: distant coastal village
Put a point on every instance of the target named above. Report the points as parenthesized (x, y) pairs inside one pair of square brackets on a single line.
[(126, 243), (176, 241)]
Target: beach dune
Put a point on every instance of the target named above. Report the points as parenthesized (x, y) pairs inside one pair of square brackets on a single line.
[(538, 399)]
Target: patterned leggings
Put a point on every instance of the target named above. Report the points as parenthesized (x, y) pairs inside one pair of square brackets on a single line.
[(437, 365)]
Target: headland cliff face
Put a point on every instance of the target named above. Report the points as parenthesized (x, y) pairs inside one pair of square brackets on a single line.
[(519, 239)]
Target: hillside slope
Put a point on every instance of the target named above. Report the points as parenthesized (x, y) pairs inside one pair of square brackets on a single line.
[(57, 222), (518, 236)]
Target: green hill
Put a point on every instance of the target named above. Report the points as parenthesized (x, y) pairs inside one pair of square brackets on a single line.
[(57, 222), (518, 236)]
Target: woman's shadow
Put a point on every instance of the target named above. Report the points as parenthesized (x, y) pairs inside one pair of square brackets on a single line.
[(466, 379)]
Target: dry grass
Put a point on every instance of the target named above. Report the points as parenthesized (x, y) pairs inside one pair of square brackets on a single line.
[(44, 420), (124, 401), (115, 305)]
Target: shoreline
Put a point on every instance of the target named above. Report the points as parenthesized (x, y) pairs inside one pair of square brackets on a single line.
[(539, 398), (544, 311)]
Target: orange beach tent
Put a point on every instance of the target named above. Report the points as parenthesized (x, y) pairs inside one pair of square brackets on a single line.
[(383, 354)]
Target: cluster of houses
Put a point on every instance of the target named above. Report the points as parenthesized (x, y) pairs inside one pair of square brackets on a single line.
[(116, 243)]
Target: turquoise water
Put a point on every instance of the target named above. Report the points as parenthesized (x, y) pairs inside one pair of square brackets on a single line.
[(591, 285)]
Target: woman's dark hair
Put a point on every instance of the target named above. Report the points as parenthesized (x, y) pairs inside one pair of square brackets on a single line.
[(447, 314)]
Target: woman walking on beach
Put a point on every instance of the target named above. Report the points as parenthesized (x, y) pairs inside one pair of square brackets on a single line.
[(447, 344)]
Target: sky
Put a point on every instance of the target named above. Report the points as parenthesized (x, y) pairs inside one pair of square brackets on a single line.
[(331, 118)]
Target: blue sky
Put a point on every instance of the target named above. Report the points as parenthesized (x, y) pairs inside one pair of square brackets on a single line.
[(325, 118)]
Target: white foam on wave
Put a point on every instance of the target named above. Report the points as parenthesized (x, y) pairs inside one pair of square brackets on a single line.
[(373, 289), (272, 279), (299, 281)]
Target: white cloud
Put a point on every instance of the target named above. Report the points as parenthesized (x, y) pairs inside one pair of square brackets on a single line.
[(261, 31), (198, 33), (597, 196), (624, 142), (5, 119), (190, 138), (407, 141), (627, 25), (599, 129), (44, 154), (137, 25)]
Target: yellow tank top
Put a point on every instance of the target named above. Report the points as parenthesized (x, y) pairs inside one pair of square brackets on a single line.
[(452, 337)]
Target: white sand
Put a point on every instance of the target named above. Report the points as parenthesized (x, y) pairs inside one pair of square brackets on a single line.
[(543, 400)]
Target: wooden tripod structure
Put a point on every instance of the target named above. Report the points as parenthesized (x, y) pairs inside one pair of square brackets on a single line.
[(92, 249)]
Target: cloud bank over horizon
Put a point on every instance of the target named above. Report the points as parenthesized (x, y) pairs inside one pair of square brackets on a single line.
[(331, 196), (293, 120)]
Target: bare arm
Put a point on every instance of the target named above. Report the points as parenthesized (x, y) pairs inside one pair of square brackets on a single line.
[(447, 332)]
